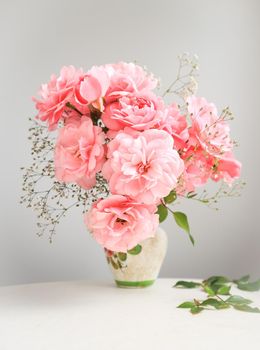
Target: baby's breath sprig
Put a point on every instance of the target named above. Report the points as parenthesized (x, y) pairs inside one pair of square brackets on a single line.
[(185, 83), (224, 191), (49, 198)]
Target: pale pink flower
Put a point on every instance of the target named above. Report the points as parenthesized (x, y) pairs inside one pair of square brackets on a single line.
[(128, 78), (208, 129), (227, 168), (198, 169), (201, 166), (176, 125), (79, 152), (119, 223), (137, 111), (142, 165), (55, 95), (93, 87)]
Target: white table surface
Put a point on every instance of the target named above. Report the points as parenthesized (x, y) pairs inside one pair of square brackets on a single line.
[(89, 315)]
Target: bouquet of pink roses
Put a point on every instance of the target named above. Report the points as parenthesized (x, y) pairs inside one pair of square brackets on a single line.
[(107, 139)]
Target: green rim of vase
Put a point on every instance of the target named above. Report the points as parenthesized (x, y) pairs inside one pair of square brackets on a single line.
[(134, 284)]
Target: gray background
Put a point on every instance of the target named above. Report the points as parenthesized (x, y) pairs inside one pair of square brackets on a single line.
[(38, 37)]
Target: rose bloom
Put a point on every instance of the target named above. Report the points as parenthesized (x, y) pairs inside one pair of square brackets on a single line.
[(201, 166), (176, 125), (119, 223), (128, 78), (208, 129), (93, 87), (79, 152), (55, 95), (226, 168), (142, 165), (137, 111)]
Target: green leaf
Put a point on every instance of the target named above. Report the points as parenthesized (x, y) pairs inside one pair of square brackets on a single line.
[(114, 264), (247, 308), (162, 211), (196, 309), (250, 286), (187, 284), (182, 221), (191, 194), (238, 300), (217, 304), (186, 305), (171, 197), (122, 256), (216, 280), (136, 250), (208, 290), (242, 279), (224, 290)]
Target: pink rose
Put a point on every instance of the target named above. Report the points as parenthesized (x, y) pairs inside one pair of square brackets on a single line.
[(176, 125), (198, 169), (201, 166), (119, 223), (93, 87), (227, 168), (208, 129), (56, 94), (128, 78), (137, 111), (142, 165), (79, 152)]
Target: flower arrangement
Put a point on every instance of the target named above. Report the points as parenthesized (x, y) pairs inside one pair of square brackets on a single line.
[(106, 140)]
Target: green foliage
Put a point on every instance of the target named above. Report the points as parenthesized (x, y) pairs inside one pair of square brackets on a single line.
[(216, 287), (122, 256), (182, 221), (247, 308), (217, 304), (114, 264), (186, 305), (187, 284), (162, 211), (136, 250), (242, 279), (196, 310), (249, 286), (172, 196), (238, 300)]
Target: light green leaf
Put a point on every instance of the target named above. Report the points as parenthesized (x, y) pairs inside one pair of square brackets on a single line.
[(182, 221), (162, 211), (224, 290), (208, 290), (247, 308), (237, 300), (242, 279), (186, 305), (171, 197), (136, 250), (216, 280), (217, 304), (250, 286), (196, 309), (187, 284)]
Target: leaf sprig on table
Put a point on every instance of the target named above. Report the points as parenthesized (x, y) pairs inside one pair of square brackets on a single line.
[(219, 296)]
